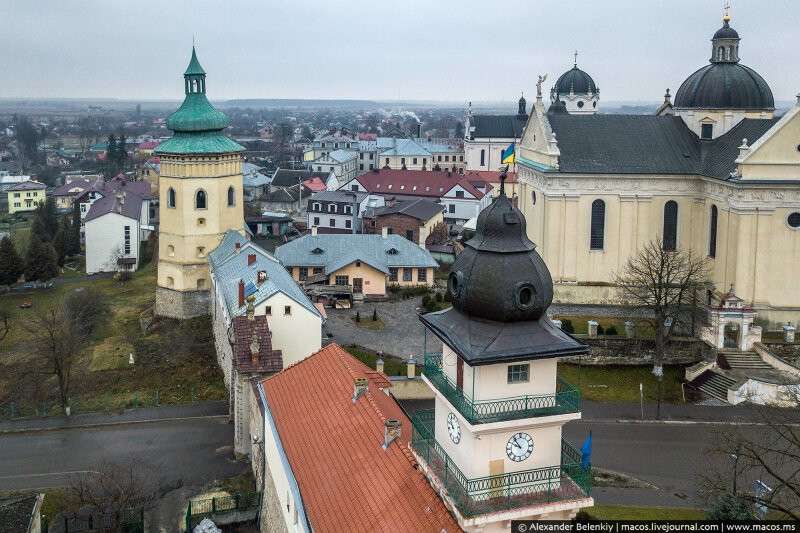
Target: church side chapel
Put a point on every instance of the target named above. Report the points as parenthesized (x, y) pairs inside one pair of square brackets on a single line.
[(715, 172), (492, 446)]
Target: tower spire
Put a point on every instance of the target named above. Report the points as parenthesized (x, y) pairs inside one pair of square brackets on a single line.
[(726, 11)]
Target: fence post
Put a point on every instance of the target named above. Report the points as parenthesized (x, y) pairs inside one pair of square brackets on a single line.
[(191, 392)]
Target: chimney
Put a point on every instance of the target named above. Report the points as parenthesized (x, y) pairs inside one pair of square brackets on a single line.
[(313, 231), (251, 259), (379, 363), (385, 232), (238, 247), (255, 349), (241, 293), (419, 130), (391, 431), (251, 309), (411, 368), (360, 386)]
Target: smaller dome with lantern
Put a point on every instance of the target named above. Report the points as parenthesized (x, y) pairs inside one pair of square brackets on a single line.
[(576, 90)]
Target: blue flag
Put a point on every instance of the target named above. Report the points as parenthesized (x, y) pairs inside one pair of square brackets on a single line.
[(586, 452)]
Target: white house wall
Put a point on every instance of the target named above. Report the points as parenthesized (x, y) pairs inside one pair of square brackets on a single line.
[(105, 242)]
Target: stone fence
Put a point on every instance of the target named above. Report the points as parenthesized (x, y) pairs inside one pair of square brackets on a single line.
[(621, 350)]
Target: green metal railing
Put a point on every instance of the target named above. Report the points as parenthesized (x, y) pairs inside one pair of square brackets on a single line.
[(199, 509), (567, 399), (474, 496)]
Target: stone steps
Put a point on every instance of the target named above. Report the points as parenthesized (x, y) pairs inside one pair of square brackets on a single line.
[(746, 360), (713, 385)]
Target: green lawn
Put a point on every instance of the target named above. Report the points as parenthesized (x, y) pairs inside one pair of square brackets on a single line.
[(611, 512), (621, 383), (174, 362), (392, 366)]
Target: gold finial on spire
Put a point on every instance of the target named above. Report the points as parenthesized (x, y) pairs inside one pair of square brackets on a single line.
[(726, 11)]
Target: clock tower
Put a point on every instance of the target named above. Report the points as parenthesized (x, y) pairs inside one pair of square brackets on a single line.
[(493, 445), (200, 198)]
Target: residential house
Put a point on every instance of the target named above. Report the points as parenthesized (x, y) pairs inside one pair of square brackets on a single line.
[(150, 171), (270, 223), (339, 211), (249, 282), (254, 181), (412, 219), (365, 264), (462, 196), (25, 196), (6, 182), (341, 163), (66, 194), (289, 200), (114, 228), (285, 178), (145, 149), (330, 142), (21, 513), (333, 443)]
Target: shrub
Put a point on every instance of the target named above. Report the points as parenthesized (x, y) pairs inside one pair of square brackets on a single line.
[(447, 297), (600, 330), (123, 276), (426, 301), (439, 297), (566, 326), (611, 331)]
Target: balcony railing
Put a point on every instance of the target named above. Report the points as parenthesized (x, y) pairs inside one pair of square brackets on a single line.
[(567, 399), (567, 481)]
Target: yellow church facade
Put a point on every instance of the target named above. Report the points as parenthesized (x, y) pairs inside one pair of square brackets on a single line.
[(595, 189), (201, 197)]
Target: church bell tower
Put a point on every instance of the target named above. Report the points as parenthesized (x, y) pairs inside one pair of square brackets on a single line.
[(200, 198)]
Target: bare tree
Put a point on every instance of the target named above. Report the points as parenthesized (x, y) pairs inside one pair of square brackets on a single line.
[(114, 491), (666, 284), (759, 468)]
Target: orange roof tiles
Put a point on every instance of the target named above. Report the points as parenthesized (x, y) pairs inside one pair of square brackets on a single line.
[(348, 482)]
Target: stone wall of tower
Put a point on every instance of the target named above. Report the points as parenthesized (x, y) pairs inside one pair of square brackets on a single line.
[(187, 233)]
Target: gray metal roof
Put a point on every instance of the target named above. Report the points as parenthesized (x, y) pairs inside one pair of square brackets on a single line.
[(725, 85), (420, 209), (229, 267), (124, 203), (508, 126), (647, 144), (339, 250), (338, 196)]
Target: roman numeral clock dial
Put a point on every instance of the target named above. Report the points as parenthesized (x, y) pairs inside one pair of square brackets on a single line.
[(519, 447), (453, 429)]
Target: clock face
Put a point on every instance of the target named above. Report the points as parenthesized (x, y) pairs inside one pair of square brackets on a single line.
[(453, 428), (519, 447)]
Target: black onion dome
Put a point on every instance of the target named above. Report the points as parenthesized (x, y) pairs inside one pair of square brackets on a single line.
[(725, 86), (575, 80), (726, 32), (499, 276)]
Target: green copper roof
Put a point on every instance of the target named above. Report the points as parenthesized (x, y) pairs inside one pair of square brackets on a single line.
[(194, 67), (197, 114), (208, 142)]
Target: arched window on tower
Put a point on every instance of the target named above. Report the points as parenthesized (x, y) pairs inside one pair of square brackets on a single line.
[(200, 199), (670, 226), (712, 233), (171, 197), (598, 229), (721, 53), (231, 197), (483, 157)]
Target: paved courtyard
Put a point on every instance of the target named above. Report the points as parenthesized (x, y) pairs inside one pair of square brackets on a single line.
[(402, 335)]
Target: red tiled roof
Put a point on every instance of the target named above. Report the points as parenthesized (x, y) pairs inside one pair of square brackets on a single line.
[(314, 184), (348, 482), (268, 360), (415, 182), (148, 145), (490, 176)]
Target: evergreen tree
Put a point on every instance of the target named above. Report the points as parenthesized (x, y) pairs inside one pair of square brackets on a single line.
[(11, 266), (40, 260), (122, 152), (59, 245), (45, 220)]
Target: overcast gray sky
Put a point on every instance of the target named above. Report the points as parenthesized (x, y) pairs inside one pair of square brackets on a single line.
[(454, 50)]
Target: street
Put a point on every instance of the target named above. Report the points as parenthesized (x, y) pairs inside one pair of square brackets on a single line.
[(193, 452)]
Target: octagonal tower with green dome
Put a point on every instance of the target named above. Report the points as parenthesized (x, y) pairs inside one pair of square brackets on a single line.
[(200, 198)]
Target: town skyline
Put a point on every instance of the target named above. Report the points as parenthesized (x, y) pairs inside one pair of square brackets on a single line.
[(247, 58)]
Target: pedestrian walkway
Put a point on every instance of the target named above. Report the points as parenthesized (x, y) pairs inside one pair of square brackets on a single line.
[(128, 416)]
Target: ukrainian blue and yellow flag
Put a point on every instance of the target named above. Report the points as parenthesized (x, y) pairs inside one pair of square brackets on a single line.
[(507, 155)]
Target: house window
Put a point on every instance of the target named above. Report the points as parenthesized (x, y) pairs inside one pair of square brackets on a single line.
[(459, 194), (201, 251), (268, 310), (393, 273), (422, 274), (342, 280), (316, 206), (361, 156), (410, 234), (387, 160), (316, 221), (348, 210), (447, 158), (287, 310), (127, 240), (170, 198), (407, 274), (303, 273), (483, 157), (712, 233), (170, 250), (200, 199), (348, 224), (598, 229), (333, 223), (670, 226), (706, 131), (414, 161), (403, 161), (461, 158), (201, 283), (354, 187), (518, 373), (170, 281), (451, 208), (370, 157), (231, 197), (317, 270), (331, 208)]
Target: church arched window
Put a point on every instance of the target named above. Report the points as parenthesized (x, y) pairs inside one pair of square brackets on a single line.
[(598, 229), (200, 200), (670, 226), (721, 53), (170, 197), (231, 197), (712, 233)]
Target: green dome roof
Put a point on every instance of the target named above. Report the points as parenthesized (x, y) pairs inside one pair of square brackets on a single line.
[(197, 114)]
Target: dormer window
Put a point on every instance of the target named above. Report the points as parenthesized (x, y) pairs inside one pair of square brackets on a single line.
[(706, 131), (317, 251), (392, 251)]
